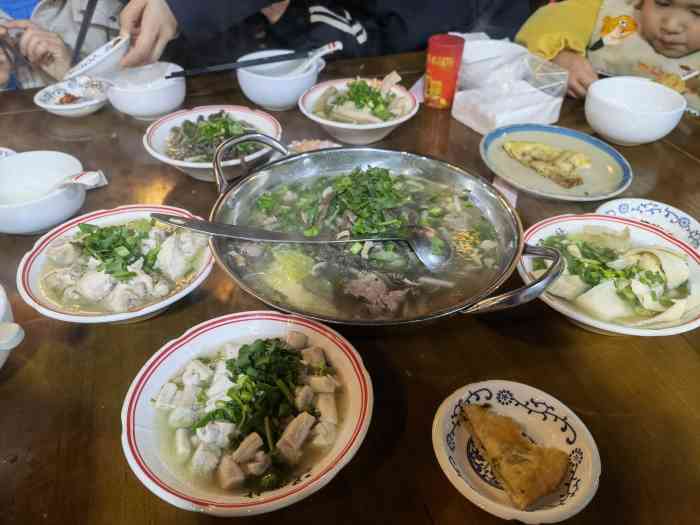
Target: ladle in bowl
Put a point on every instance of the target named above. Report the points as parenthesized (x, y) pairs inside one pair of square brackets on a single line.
[(419, 238)]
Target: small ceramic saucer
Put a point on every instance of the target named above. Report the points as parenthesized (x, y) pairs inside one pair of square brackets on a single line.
[(545, 420), (75, 97)]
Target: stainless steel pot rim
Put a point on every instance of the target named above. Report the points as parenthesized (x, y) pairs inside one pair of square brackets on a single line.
[(470, 304)]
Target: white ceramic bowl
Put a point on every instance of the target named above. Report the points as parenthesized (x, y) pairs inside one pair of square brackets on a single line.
[(632, 110), (92, 93), (546, 420), (27, 203), (145, 93), (641, 234), (30, 267), (357, 134), (264, 87), (155, 138), (11, 334), (139, 440), (103, 61)]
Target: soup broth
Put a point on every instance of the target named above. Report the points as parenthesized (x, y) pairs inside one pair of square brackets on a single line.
[(367, 280)]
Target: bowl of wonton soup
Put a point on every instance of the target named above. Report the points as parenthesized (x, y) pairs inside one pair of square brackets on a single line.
[(36, 263), (600, 308), (142, 438), (357, 134)]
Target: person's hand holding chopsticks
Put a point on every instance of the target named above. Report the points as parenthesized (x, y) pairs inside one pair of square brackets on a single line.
[(44, 49), (151, 25)]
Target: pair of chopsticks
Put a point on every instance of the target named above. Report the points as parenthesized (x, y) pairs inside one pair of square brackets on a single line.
[(15, 58), (232, 66)]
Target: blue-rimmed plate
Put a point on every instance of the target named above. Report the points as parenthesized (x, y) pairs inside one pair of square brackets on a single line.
[(672, 220), (545, 420), (610, 174)]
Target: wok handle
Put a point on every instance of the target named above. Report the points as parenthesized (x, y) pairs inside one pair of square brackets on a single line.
[(525, 293), (261, 138)]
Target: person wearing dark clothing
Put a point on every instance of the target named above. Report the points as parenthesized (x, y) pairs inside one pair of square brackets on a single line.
[(384, 27), (215, 31)]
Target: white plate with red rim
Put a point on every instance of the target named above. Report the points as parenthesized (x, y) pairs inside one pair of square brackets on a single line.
[(641, 234), (545, 420), (31, 265), (139, 437), (156, 136), (357, 134)]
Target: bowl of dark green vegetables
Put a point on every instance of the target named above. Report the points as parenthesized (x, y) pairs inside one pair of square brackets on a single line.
[(246, 413), (187, 139)]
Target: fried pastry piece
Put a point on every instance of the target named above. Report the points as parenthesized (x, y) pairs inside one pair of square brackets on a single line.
[(558, 165), (526, 471)]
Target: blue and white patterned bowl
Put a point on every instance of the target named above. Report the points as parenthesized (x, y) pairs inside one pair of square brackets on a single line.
[(545, 420), (672, 220), (92, 95)]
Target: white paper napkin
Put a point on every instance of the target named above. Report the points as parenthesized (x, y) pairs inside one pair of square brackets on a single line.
[(90, 179)]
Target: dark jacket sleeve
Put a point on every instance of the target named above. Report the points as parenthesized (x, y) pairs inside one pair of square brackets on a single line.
[(309, 25), (381, 27), (199, 20)]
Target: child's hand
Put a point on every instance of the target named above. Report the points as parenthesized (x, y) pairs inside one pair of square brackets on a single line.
[(581, 72)]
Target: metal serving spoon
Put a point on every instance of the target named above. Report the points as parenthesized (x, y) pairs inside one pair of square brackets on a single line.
[(419, 238)]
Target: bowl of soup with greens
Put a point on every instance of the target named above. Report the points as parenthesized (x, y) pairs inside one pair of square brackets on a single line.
[(246, 413), (113, 265), (344, 193)]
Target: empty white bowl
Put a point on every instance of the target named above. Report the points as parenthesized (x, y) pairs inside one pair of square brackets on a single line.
[(633, 110), (264, 86), (27, 202), (358, 134), (145, 93)]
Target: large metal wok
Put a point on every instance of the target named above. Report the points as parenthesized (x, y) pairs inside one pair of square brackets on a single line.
[(236, 200)]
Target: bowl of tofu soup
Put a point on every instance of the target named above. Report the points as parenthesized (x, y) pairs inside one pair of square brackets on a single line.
[(246, 413), (359, 110), (622, 276), (113, 266)]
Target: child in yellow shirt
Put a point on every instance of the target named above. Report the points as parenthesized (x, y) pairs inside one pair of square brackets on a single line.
[(659, 39)]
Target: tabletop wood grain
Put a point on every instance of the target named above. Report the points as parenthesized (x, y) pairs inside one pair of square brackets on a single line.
[(62, 389)]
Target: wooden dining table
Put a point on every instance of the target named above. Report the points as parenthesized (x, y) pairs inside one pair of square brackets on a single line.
[(62, 389)]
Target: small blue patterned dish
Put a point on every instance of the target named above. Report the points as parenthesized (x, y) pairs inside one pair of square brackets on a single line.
[(672, 220), (75, 97), (546, 421)]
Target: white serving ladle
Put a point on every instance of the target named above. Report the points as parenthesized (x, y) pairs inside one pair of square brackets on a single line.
[(313, 57)]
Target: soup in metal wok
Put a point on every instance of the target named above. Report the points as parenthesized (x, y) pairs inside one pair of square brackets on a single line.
[(361, 280)]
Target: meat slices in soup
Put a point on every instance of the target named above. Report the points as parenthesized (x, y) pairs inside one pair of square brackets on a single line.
[(266, 426)]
